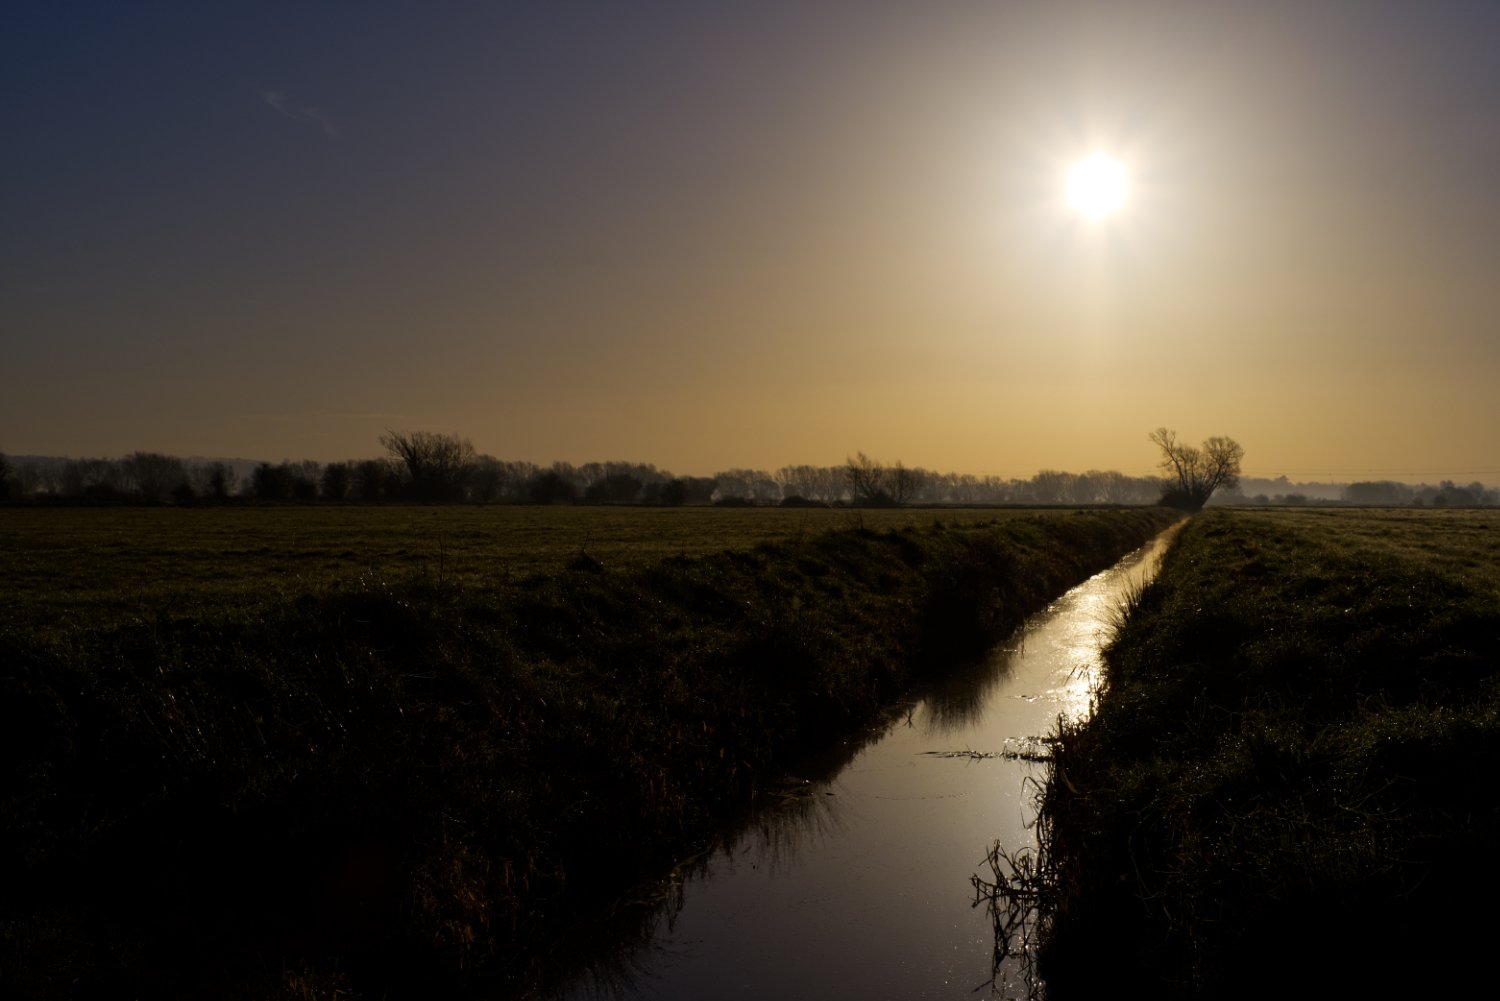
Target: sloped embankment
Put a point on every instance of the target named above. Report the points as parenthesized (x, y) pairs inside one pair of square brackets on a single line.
[(401, 790), (1292, 781)]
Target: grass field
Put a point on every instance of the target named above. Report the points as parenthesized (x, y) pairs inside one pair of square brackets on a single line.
[(386, 752), (96, 566), (1292, 781)]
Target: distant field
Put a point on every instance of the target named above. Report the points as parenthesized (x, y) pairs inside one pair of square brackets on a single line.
[(101, 564)]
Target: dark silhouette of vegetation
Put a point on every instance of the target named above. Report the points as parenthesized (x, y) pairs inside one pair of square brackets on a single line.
[(494, 481), (217, 481), (286, 481), (905, 484), (152, 476), (1193, 474), (4, 476), (377, 480), (552, 487), (413, 789), (866, 480), (755, 486), (461, 476), (487, 480), (436, 464), (271, 483), (873, 484), (1296, 741), (337, 481), (817, 483), (617, 488)]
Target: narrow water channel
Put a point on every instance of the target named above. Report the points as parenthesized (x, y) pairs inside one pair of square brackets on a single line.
[(859, 887)]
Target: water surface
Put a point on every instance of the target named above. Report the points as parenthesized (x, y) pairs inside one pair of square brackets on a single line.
[(860, 886)]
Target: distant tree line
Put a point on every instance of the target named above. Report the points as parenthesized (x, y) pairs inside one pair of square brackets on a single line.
[(1362, 493), (1386, 493), (436, 468), (422, 466)]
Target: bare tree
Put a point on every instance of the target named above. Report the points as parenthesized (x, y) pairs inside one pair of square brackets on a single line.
[(376, 479), (866, 479), (337, 481), (1110, 486), (212, 480), (552, 486), (153, 476), (486, 480), (875, 484), (797, 481), (436, 463), (904, 484), (1052, 486), (271, 483), (518, 473), (1193, 474), (737, 484)]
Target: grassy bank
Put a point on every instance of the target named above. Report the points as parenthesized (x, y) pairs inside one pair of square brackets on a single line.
[(70, 567), (410, 784), (1292, 781)]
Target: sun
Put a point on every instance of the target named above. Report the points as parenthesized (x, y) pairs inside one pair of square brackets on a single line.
[(1096, 185)]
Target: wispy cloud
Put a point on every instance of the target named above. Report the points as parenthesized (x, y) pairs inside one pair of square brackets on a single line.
[(283, 103)]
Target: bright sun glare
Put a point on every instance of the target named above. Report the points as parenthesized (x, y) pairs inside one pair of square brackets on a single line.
[(1096, 186)]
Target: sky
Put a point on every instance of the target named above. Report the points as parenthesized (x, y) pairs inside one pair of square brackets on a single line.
[(721, 234)]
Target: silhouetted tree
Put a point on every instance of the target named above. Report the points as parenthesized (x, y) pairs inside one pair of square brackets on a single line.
[(4, 476), (436, 463), (821, 483), (271, 483), (1377, 493), (1193, 474), (798, 481), (1050, 486), (515, 479), (755, 485), (968, 489), (617, 488), (337, 481), (376, 479), (905, 484), (1111, 486), (1449, 494), (552, 487), (486, 481), (685, 490), (153, 476), (213, 481), (867, 480), (873, 484), (305, 476), (93, 479)]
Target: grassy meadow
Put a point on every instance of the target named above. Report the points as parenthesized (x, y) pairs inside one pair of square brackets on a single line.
[(398, 752), (1292, 781), (85, 567)]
